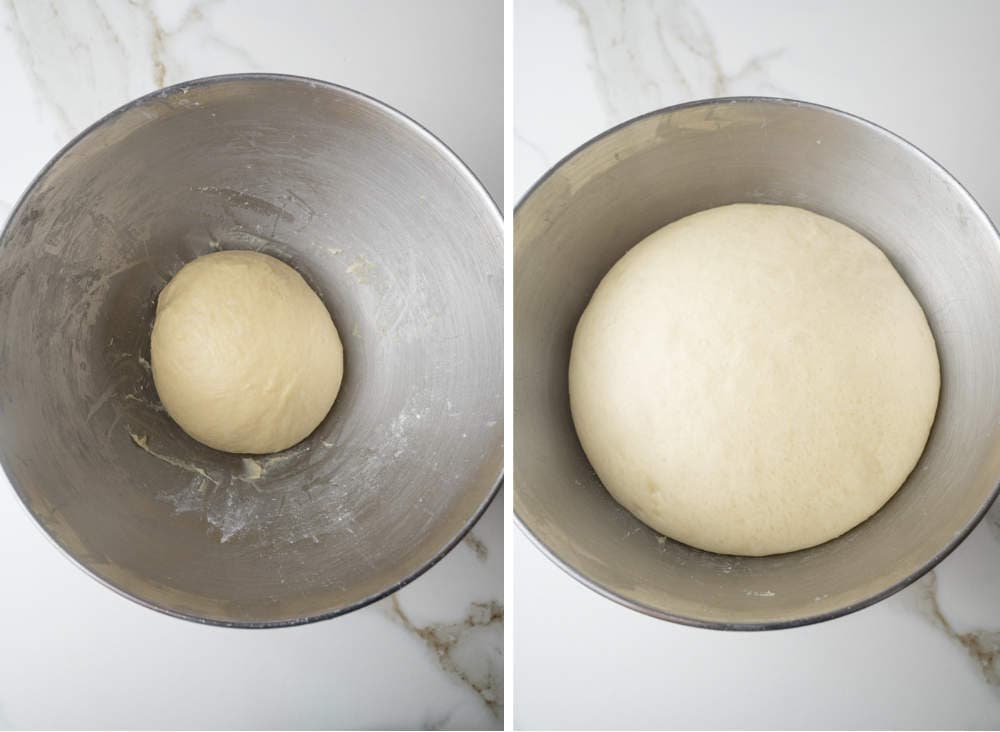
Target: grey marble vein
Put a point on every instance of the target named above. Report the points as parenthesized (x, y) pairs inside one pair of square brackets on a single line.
[(477, 546), (245, 57), (438, 721), (583, 10), (28, 56), (457, 651), (79, 59), (84, 58), (109, 28), (982, 645), (652, 53), (534, 147), (160, 37), (157, 47)]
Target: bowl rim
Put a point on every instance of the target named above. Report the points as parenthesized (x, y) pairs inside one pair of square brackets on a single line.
[(693, 621), (460, 167)]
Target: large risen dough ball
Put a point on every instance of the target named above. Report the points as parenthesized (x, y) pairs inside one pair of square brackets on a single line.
[(245, 356), (753, 380)]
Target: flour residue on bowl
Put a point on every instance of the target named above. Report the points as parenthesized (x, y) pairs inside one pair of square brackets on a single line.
[(299, 490), (262, 466), (143, 442), (361, 269), (252, 470), (242, 500), (118, 484)]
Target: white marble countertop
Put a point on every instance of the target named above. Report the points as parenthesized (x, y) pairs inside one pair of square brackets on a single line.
[(74, 654), (929, 657)]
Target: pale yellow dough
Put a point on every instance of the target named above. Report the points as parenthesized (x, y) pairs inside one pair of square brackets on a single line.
[(245, 356), (753, 380)]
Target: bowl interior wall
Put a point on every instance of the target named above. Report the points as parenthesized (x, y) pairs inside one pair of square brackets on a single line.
[(401, 244), (604, 199)]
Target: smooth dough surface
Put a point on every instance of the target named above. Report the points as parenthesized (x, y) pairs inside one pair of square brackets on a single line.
[(753, 379), (245, 356)]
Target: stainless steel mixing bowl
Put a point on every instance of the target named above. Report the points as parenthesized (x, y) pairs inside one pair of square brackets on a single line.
[(609, 194), (403, 245)]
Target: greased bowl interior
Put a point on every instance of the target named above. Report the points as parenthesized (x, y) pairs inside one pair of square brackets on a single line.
[(399, 240), (618, 188)]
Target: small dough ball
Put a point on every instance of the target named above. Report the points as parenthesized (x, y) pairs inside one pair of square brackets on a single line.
[(245, 356), (753, 380)]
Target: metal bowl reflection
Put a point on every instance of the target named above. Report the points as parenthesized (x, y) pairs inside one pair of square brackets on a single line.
[(402, 244), (618, 188)]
